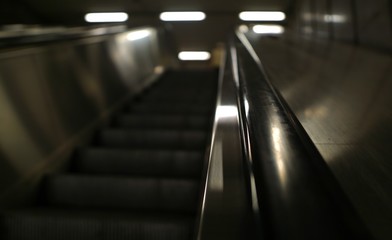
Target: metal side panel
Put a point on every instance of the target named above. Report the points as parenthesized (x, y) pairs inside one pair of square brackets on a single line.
[(341, 95), (52, 96), (227, 206)]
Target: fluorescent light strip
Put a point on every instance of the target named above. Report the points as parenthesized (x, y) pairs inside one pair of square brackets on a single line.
[(136, 35), (262, 16), (106, 17), (194, 55), (182, 16), (268, 29)]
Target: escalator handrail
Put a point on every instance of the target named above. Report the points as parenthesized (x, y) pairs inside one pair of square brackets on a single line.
[(297, 194)]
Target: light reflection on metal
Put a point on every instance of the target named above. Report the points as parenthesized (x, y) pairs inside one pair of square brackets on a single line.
[(307, 16), (246, 105), (277, 142), (307, 30), (268, 29), (223, 112), (318, 111), (234, 66), (334, 18), (140, 34), (329, 18), (98, 31), (216, 170), (243, 28), (183, 16), (17, 135), (262, 16), (159, 69), (106, 17)]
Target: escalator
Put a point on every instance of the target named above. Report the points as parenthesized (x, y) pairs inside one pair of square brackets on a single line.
[(141, 176)]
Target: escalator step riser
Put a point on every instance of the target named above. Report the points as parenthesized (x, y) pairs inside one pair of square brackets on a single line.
[(140, 163), (141, 178), (139, 139), (151, 194), (169, 109), (163, 121), (59, 227), (175, 99)]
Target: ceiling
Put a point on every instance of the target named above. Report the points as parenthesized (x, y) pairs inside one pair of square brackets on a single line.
[(50, 7), (222, 15)]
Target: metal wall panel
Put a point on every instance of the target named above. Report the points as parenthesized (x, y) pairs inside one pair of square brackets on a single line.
[(340, 92), (342, 21), (368, 23), (343, 101), (321, 16), (53, 95), (374, 23)]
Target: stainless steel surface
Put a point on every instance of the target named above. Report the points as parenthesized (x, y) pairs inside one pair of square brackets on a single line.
[(225, 212), (298, 196), (52, 96), (341, 95), (374, 23), (367, 23), (16, 35)]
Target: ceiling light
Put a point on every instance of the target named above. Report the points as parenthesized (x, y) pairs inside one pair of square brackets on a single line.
[(106, 17), (136, 35), (194, 55), (262, 16), (182, 16), (268, 29)]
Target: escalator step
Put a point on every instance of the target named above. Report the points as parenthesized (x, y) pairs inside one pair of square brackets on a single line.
[(186, 98), (56, 224), (158, 139), (186, 164), (141, 178), (105, 192), (170, 108), (163, 121)]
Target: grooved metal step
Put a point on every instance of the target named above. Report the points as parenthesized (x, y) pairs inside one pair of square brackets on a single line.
[(170, 108), (108, 192), (141, 178), (161, 121), (68, 224), (186, 164), (152, 139)]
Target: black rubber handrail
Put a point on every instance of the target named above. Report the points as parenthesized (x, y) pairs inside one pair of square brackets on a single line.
[(297, 194)]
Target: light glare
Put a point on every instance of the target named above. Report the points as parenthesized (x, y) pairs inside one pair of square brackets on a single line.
[(106, 17), (194, 55), (268, 29), (334, 18), (262, 16), (226, 111), (182, 16), (136, 35)]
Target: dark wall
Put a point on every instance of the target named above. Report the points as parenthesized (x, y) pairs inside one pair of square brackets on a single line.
[(367, 23), (13, 12)]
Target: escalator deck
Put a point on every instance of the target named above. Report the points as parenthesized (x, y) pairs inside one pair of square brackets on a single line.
[(141, 177)]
